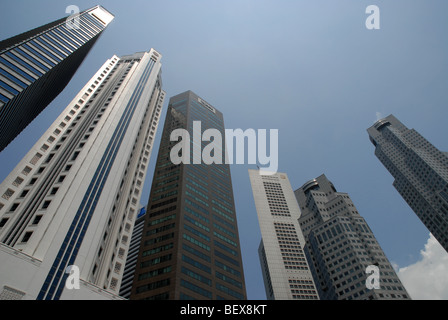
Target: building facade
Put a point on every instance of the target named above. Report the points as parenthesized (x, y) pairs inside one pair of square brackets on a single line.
[(37, 65), (420, 171), (190, 246), (73, 199), (131, 260), (341, 247), (286, 271)]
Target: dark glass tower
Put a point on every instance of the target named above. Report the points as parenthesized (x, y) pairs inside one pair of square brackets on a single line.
[(420, 171), (190, 245), (37, 65)]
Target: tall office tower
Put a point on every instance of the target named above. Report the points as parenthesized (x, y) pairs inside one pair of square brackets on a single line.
[(37, 65), (341, 246), (286, 271), (190, 246), (131, 260), (420, 171), (73, 199)]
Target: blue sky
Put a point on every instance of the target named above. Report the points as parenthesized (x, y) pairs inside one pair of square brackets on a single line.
[(310, 69)]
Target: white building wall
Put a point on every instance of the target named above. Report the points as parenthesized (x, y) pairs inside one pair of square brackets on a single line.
[(49, 234), (279, 274), (14, 262)]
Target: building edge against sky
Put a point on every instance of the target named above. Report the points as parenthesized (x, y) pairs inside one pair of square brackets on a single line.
[(36, 66), (420, 171), (74, 197)]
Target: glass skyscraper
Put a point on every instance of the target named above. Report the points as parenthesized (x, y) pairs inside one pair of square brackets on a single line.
[(73, 199), (420, 171), (37, 65), (190, 246)]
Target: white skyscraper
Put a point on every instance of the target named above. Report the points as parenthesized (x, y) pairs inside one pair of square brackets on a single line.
[(286, 271), (73, 199)]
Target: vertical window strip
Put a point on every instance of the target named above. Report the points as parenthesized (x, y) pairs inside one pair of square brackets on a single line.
[(22, 54), (14, 86), (94, 20), (88, 28), (85, 32), (38, 54), (74, 34), (47, 50), (68, 42), (54, 45), (4, 99), (53, 35), (8, 88), (74, 37), (13, 78), (13, 69), (79, 34), (23, 64), (89, 24)]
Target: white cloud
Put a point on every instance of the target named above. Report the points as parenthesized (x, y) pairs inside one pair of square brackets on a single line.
[(379, 116), (427, 279)]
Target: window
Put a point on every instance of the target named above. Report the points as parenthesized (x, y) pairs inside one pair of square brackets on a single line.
[(37, 220), (3, 222), (49, 158), (27, 236), (24, 193), (17, 182), (26, 171), (36, 158), (117, 267), (113, 283), (8, 194), (196, 289), (75, 156), (14, 207), (46, 204)]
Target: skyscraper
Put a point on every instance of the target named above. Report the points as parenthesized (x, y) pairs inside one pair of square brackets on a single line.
[(286, 271), (73, 199), (190, 246), (341, 246), (37, 65), (420, 171)]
